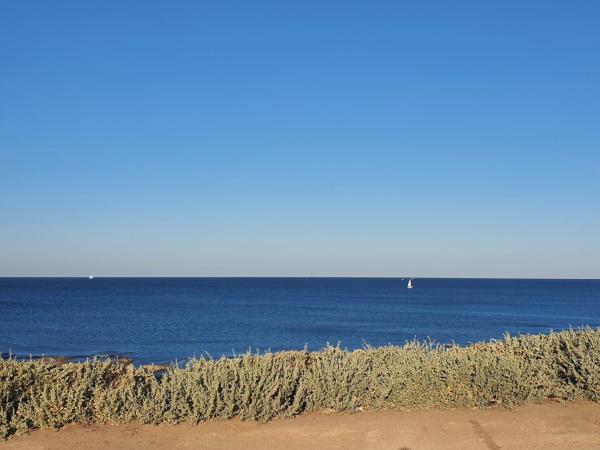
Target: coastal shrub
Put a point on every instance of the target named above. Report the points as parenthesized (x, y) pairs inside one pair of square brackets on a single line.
[(508, 372)]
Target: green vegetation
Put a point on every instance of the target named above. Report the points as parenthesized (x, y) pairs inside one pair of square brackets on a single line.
[(41, 394)]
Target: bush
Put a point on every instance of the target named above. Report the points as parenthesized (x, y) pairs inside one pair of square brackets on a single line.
[(44, 394)]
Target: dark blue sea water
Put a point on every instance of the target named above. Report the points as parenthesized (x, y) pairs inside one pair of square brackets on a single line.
[(163, 319)]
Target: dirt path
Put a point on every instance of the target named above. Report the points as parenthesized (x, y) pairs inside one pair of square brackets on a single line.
[(547, 426)]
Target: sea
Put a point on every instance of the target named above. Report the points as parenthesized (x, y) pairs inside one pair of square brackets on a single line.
[(163, 320)]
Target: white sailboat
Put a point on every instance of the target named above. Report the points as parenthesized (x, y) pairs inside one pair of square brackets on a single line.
[(409, 285), (91, 277)]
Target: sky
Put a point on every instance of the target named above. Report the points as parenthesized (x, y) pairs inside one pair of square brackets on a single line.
[(270, 138)]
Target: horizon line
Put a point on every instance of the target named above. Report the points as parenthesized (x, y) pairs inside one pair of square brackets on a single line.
[(393, 277)]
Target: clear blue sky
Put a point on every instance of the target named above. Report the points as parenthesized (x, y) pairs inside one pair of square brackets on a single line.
[(429, 138)]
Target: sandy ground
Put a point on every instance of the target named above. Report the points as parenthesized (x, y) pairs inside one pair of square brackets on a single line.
[(548, 426)]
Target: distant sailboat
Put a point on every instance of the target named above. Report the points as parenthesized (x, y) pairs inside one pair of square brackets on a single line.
[(409, 285), (91, 277)]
